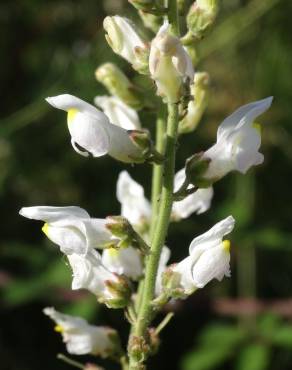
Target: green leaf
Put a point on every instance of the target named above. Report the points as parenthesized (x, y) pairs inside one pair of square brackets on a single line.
[(205, 358), (283, 337), (268, 324), (254, 357), (222, 335)]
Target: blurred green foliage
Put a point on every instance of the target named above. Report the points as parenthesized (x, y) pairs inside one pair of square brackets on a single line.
[(54, 47)]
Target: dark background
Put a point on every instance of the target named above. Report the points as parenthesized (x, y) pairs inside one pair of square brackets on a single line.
[(54, 47)]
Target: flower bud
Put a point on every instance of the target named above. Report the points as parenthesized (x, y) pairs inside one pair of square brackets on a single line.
[(198, 104), (118, 85), (169, 64), (151, 21), (201, 16), (121, 228), (125, 41)]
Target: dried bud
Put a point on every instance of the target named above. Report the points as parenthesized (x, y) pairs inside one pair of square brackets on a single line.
[(120, 293), (138, 349), (154, 341), (171, 283), (118, 85)]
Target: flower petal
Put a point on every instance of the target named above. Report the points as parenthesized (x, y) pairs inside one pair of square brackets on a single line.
[(52, 214), (198, 202), (124, 261), (67, 102), (135, 207), (90, 133), (213, 264), (244, 115), (213, 236), (118, 112)]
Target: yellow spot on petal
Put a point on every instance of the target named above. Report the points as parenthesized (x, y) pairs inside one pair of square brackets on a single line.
[(58, 329), (257, 126), (45, 229), (226, 245), (71, 115), (113, 252)]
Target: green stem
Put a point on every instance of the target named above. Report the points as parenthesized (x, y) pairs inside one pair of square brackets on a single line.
[(158, 240), (173, 16), (156, 187), (157, 169)]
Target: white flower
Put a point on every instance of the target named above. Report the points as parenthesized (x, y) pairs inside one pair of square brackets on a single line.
[(164, 257), (209, 258), (123, 261), (198, 202), (238, 142), (80, 337), (90, 273), (169, 64), (124, 40), (91, 130), (118, 112), (70, 227), (135, 207)]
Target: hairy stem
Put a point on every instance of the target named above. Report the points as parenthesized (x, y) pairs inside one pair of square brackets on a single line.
[(159, 235)]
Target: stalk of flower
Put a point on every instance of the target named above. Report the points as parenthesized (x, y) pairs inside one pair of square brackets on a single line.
[(90, 273), (209, 258), (91, 130), (71, 228), (118, 112), (169, 64), (81, 338), (125, 41)]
